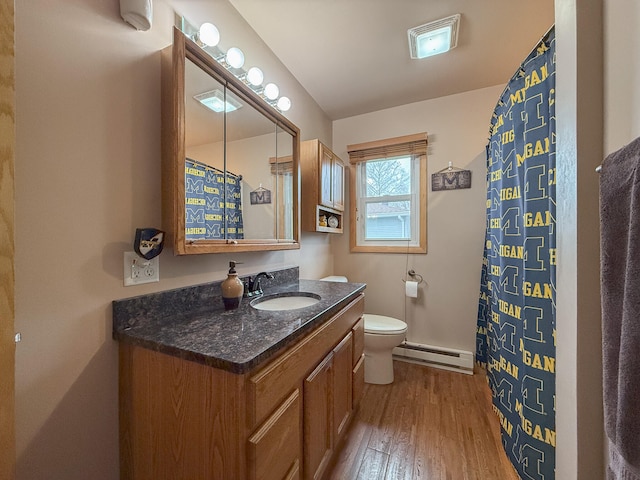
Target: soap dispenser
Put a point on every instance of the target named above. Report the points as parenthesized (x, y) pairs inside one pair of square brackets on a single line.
[(232, 288)]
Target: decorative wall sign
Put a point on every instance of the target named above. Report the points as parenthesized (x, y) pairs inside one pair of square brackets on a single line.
[(451, 178), (260, 196), (148, 242)]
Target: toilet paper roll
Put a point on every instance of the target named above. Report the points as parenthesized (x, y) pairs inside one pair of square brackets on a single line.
[(411, 289)]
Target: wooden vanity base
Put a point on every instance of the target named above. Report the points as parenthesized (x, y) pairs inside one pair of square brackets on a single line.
[(283, 420)]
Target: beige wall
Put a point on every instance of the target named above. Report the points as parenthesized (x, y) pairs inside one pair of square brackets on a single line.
[(621, 73), (445, 312), (87, 174)]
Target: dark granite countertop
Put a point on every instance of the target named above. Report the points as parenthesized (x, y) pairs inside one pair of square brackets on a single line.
[(199, 329)]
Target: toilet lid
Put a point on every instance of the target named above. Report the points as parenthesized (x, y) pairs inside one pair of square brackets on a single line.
[(383, 325)]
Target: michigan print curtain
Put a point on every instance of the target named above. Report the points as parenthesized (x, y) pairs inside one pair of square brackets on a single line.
[(210, 198), (516, 314)]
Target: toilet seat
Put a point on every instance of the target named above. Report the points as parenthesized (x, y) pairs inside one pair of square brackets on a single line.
[(382, 325)]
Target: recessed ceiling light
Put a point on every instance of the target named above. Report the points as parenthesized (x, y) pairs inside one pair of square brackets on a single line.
[(434, 38), (214, 100)]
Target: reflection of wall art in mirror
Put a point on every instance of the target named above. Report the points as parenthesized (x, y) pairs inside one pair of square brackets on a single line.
[(260, 196)]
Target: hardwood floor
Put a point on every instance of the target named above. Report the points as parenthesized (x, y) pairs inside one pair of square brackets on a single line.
[(430, 424)]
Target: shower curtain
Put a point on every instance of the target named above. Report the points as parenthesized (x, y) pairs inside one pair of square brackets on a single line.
[(516, 313), (213, 203)]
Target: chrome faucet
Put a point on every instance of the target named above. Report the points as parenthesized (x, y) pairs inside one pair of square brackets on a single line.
[(252, 285)]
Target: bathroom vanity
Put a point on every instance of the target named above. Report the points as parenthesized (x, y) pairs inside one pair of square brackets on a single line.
[(246, 394)]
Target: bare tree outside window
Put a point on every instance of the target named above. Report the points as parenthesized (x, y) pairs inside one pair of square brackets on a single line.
[(389, 177), (388, 207)]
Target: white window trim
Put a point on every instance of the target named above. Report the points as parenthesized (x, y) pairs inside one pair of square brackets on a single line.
[(414, 211)]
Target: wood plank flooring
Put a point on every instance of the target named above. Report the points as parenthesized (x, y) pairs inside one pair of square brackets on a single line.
[(430, 424)]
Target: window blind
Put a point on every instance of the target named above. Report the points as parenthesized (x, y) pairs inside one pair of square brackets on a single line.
[(415, 144)]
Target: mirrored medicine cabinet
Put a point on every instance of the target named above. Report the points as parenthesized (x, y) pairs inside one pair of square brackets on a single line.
[(229, 159)]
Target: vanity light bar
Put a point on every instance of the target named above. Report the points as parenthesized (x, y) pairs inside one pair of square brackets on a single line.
[(208, 37)]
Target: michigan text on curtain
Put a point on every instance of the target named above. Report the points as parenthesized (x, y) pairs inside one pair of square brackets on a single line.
[(213, 203), (516, 314)]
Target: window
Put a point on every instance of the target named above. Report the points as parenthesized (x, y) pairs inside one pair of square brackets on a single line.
[(388, 195)]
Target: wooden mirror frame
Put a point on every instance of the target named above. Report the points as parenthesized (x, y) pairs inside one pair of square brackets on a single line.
[(173, 150)]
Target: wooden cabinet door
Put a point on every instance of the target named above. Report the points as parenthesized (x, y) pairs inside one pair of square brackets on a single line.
[(326, 177), (274, 448), (338, 183), (318, 420), (342, 385)]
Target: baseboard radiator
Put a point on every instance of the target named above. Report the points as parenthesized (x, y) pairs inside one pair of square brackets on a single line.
[(437, 357)]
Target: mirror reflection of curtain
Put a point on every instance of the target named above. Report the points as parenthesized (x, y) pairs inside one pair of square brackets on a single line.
[(282, 175), (233, 207), (516, 313), (208, 199)]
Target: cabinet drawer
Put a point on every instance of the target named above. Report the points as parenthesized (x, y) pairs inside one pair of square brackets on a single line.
[(358, 341), (273, 449), (267, 388), (358, 381)]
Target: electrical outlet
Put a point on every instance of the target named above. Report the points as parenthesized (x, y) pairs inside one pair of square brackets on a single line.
[(139, 270)]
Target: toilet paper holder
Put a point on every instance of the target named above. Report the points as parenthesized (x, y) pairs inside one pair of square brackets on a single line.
[(416, 276)]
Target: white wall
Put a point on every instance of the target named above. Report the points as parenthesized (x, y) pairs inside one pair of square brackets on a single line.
[(579, 126), (445, 312), (87, 174)]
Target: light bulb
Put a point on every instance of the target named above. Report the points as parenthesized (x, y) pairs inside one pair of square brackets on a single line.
[(235, 57), (284, 104), (208, 34), (255, 76), (271, 91)]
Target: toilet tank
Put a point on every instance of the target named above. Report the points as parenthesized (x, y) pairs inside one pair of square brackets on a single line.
[(334, 278)]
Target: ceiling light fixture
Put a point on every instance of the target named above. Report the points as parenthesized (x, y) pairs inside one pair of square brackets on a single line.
[(271, 91), (434, 37), (214, 100), (255, 77), (208, 34), (234, 57), (283, 104)]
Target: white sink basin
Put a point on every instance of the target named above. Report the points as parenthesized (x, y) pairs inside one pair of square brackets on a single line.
[(286, 301)]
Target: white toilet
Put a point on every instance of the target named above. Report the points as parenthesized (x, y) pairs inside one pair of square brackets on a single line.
[(381, 335)]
